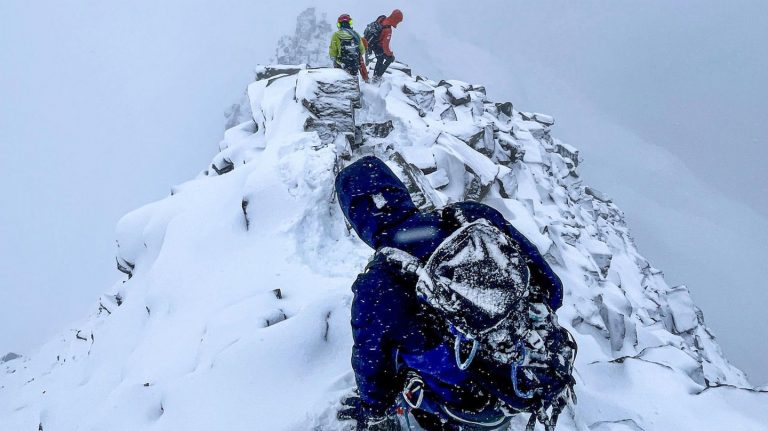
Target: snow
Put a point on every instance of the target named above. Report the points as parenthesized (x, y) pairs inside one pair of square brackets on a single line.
[(199, 340)]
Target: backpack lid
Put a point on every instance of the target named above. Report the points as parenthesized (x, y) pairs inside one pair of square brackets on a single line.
[(475, 278)]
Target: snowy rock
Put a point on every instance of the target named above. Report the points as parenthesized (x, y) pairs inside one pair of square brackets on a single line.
[(421, 95), (222, 166), (421, 157), (684, 313), (597, 194), (368, 131), (401, 67), (417, 184), (273, 71), (568, 152), (449, 114), (8, 357), (309, 42), (457, 96), (483, 141), (505, 108), (331, 100), (544, 119), (438, 179)]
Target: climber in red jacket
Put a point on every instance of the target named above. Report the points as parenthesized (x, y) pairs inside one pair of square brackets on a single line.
[(379, 34)]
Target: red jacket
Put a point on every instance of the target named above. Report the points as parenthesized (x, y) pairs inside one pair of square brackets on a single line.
[(386, 33)]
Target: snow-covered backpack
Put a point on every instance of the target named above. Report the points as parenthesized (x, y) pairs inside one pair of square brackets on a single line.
[(478, 282), (372, 34), (349, 52)]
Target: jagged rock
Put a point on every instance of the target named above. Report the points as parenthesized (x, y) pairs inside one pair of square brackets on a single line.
[(684, 313), (448, 115), (10, 356), (423, 96), (613, 308), (125, 267), (438, 179), (268, 72), (505, 108), (401, 67), (328, 130), (568, 152), (416, 182), (544, 119), (457, 96), (331, 103), (309, 42), (597, 195), (475, 188), (376, 130), (483, 141), (421, 157), (224, 166)]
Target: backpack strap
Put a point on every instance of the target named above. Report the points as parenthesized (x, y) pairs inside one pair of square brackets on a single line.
[(352, 34)]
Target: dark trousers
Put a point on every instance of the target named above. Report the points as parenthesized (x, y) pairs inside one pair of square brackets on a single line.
[(382, 63)]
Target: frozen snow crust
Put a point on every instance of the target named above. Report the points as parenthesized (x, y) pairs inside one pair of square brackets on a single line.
[(235, 311)]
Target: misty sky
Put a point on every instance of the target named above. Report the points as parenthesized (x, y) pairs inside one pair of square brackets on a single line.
[(106, 105)]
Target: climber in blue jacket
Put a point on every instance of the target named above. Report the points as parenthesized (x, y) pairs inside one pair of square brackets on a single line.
[(392, 334)]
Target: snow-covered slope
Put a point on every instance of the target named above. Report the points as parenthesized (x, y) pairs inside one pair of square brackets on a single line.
[(234, 313)]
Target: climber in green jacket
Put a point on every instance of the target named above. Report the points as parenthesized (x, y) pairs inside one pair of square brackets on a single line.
[(347, 48)]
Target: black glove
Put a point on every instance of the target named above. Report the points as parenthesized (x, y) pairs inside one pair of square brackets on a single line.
[(352, 409)]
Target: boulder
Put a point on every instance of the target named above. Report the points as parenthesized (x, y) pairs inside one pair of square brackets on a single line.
[(331, 101), (9, 357), (568, 152), (423, 97), (457, 96), (505, 108), (267, 72), (544, 119), (438, 179), (376, 130), (449, 114), (483, 141)]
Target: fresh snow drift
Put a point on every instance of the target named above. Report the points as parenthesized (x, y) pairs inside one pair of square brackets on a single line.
[(234, 313)]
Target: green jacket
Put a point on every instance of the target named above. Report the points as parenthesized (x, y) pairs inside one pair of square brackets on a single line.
[(344, 34)]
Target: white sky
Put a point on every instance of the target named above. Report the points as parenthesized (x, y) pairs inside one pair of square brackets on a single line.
[(105, 105)]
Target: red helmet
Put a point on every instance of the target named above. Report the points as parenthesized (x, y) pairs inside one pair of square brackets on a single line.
[(342, 19)]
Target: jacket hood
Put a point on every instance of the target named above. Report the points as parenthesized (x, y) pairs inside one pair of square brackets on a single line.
[(373, 199), (395, 18)]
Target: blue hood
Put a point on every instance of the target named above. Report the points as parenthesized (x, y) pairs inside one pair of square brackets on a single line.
[(373, 199), (379, 208)]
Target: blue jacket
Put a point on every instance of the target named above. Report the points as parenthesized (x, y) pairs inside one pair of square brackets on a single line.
[(389, 326)]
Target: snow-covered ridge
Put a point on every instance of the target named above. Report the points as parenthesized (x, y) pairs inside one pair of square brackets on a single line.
[(234, 313)]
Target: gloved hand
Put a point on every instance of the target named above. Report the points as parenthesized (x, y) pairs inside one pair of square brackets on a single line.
[(352, 409)]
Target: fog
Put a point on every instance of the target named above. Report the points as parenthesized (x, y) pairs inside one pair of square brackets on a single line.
[(104, 106)]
